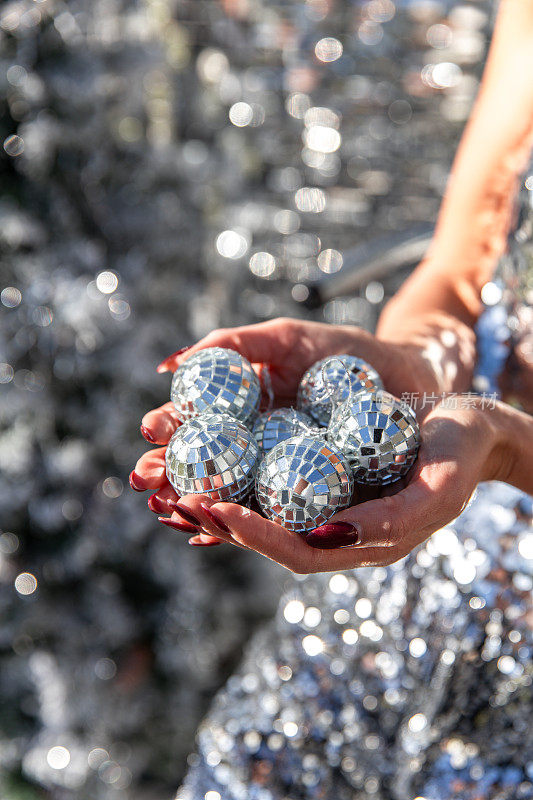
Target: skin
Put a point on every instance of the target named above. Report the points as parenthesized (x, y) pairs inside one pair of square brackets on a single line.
[(424, 343)]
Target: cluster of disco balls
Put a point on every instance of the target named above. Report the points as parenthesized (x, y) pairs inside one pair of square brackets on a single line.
[(304, 462)]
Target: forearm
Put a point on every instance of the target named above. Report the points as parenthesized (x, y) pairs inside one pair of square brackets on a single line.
[(477, 209), (512, 456)]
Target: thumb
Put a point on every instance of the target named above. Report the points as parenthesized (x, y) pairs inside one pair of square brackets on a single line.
[(432, 499)]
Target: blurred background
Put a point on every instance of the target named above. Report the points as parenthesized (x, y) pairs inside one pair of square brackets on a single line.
[(168, 167)]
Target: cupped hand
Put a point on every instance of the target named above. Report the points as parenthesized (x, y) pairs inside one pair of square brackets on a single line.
[(457, 452), (288, 347)]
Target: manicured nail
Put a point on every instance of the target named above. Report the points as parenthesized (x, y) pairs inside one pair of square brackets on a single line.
[(185, 513), (163, 366), (215, 519), (157, 505), (186, 527), (197, 541), (147, 435), (136, 482), (336, 534)]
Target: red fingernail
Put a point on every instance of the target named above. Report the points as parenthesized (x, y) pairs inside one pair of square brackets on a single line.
[(335, 534), (186, 514), (215, 519), (186, 527), (147, 435), (163, 366), (197, 541), (157, 505), (136, 482)]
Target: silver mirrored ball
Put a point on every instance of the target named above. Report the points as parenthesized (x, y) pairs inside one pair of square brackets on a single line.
[(379, 435), (216, 380), (302, 482), (274, 427), (357, 375), (214, 454)]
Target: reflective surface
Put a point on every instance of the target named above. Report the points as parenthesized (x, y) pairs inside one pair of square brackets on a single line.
[(302, 482), (274, 427), (213, 454), (160, 180), (332, 381), (391, 683), (379, 435), (216, 380)]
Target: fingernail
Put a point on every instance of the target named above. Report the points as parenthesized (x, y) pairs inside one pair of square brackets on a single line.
[(157, 505), (163, 366), (185, 513), (186, 527), (136, 482), (336, 534), (197, 541), (215, 519), (147, 435)]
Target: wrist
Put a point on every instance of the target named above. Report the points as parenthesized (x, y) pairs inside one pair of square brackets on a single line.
[(439, 350)]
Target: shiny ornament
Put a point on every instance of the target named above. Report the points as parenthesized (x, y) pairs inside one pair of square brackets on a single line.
[(274, 427), (302, 482), (333, 380), (214, 454), (216, 380), (378, 434)]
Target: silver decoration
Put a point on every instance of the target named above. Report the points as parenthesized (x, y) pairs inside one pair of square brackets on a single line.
[(216, 380), (367, 671), (273, 427), (379, 435), (302, 482), (327, 383), (214, 454)]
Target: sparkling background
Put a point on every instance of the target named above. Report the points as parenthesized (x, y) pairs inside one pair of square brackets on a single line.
[(169, 166)]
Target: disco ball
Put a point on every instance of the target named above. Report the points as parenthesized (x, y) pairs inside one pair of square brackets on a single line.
[(214, 454), (302, 482), (333, 380), (378, 434), (216, 380), (275, 426)]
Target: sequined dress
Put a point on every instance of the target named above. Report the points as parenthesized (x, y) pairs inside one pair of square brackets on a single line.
[(410, 681)]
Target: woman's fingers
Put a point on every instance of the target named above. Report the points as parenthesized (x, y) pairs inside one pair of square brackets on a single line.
[(159, 424), (257, 343), (204, 540), (149, 472), (194, 509), (164, 500)]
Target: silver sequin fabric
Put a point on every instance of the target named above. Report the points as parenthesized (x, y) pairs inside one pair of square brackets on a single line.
[(328, 383), (214, 454), (379, 435), (302, 482), (276, 426), (217, 380), (391, 683)]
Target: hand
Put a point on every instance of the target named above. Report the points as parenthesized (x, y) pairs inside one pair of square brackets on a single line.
[(460, 447), (289, 347)]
